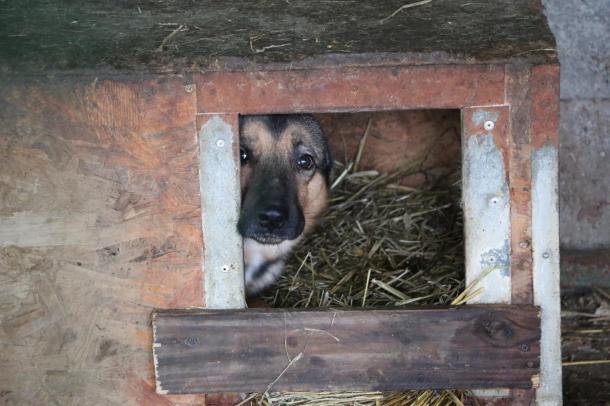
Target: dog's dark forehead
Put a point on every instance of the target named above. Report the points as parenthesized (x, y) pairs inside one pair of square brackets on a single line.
[(311, 138), (278, 123)]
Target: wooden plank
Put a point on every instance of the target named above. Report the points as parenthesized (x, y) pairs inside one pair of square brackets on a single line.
[(259, 350), (519, 98), (545, 227), (350, 89), (220, 205), (486, 202), (202, 35)]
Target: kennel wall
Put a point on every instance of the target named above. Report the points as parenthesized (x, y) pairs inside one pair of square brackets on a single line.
[(119, 131)]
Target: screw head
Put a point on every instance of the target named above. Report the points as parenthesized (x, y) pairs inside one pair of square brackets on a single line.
[(489, 125), (189, 88), (220, 143), (524, 244), (546, 255), (524, 347)]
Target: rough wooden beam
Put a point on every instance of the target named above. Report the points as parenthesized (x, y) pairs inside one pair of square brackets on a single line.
[(195, 36), (220, 201), (258, 350), (520, 179), (545, 226), (350, 89), (487, 202)]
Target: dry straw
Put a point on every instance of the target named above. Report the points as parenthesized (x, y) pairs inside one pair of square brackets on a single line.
[(379, 244)]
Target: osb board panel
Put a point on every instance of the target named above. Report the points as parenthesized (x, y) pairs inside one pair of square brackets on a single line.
[(427, 140), (42, 35), (99, 224)]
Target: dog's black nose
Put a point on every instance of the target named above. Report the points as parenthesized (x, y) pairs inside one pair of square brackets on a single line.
[(272, 218)]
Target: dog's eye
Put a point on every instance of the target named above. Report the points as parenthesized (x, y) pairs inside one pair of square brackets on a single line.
[(305, 162), (244, 157)]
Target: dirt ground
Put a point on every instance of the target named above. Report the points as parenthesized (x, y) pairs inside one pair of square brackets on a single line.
[(586, 337)]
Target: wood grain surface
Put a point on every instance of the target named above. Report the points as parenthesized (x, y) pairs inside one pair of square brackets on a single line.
[(262, 349), (40, 36), (99, 224)]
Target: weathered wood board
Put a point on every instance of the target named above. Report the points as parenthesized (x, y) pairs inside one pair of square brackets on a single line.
[(263, 349), (99, 224), (43, 36), (426, 140)]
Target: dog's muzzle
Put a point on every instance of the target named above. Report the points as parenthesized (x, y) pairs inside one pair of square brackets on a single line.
[(271, 215)]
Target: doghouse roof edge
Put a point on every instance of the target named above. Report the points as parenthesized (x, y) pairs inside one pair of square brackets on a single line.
[(41, 36)]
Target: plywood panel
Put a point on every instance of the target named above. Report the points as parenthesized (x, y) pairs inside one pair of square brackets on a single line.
[(428, 141), (99, 224)]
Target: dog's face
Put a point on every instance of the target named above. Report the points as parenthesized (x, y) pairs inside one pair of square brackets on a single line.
[(285, 169)]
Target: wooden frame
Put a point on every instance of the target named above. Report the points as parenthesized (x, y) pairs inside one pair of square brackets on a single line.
[(510, 118)]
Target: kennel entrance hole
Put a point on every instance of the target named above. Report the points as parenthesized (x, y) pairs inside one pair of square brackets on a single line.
[(397, 136), (420, 150)]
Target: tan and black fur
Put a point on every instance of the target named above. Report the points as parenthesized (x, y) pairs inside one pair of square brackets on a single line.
[(285, 170)]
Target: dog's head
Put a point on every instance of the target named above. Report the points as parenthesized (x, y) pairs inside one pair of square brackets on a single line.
[(285, 169)]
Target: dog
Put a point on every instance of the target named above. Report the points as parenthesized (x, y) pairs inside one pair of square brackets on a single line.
[(285, 173)]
